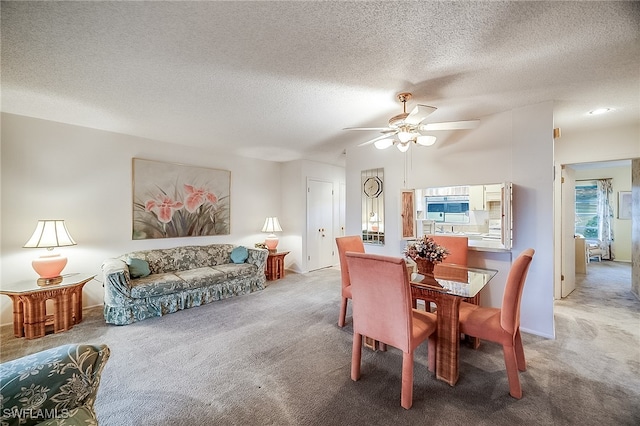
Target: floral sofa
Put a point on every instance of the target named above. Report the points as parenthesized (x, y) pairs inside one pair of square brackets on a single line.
[(178, 278), (54, 387)]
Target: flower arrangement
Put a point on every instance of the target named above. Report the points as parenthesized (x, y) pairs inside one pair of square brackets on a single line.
[(426, 248)]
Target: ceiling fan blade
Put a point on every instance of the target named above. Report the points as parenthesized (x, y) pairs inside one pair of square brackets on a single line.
[(379, 138), (450, 125), (419, 113), (379, 129)]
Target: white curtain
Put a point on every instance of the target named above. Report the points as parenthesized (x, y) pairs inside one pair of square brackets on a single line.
[(605, 216)]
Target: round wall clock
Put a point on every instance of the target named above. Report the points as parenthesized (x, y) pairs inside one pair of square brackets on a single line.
[(373, 187)]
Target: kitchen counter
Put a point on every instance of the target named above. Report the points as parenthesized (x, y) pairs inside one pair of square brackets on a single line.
[(478, 241), (487, 245)]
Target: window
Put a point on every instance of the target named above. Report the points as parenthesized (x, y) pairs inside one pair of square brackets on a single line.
[(587, 209)]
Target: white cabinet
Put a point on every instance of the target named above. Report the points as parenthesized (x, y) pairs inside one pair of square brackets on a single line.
[(476, 197), (492, 193)]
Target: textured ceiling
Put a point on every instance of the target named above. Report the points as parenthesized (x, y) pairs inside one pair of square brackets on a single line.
[(280, 80)]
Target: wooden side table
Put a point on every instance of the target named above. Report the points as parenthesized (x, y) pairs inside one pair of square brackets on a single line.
[(275, 265), (30, 317)]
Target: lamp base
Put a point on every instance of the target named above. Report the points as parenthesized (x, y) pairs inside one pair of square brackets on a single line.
[(271, 242), (44, 282), (49, 266)]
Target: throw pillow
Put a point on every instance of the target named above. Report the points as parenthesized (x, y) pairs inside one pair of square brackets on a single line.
[(138, 268), (239, 254)]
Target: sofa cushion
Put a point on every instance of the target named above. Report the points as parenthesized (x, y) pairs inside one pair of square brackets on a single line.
[(156, 284), (138, 268), (236, 270), (239, 254), (200, 277)]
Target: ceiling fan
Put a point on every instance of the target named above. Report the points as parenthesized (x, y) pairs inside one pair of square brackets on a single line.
[(405, 129)]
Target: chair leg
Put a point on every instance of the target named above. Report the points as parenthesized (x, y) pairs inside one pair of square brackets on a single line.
[(356, 356), (515, 390), (406, 395), (522, 364), (343, 312)]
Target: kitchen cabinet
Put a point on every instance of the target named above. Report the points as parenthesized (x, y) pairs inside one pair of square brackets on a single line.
[(492, 193), (476, 197)]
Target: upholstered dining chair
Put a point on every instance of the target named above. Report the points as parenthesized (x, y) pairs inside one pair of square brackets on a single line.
[(503, 325), (458, 247), (381, 297), (349, 243)]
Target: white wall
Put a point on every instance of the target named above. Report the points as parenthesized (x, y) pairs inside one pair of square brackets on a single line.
[(621, 181), (515, 146), (52, 170)]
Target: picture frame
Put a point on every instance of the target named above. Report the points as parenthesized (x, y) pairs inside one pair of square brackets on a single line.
[(172, 200), (624, 205)]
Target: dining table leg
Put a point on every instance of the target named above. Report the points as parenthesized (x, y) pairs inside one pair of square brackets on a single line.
[(447, 362)]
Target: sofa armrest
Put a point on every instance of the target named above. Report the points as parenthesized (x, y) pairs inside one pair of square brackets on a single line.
[(54, 383), (116, 276), (258, 257)]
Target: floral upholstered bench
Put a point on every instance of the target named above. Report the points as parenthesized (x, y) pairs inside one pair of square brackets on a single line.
[(152, 283)]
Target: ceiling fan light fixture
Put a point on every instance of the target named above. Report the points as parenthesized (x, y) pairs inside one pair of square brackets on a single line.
[(383, 143), (405, 136), (426, 140), (403, 146)]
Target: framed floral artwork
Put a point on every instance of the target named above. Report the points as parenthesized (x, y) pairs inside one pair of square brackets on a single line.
[(176, 200)]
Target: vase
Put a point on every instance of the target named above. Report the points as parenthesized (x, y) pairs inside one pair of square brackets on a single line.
[(425, 267)]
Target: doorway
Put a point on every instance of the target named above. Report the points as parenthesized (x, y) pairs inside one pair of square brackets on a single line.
[(620, 172)]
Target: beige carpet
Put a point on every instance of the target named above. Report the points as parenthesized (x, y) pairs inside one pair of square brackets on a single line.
[(277, 357)]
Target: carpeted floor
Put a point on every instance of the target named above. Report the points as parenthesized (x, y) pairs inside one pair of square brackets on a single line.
[(277, 357)]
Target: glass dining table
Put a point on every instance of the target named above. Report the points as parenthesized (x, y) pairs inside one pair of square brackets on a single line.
[(447, 287)]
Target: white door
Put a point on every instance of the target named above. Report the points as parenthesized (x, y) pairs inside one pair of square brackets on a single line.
[(319, 224), (568, 224)]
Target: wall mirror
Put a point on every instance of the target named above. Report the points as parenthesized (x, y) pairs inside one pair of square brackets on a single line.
[(480, 212), (372, 189)]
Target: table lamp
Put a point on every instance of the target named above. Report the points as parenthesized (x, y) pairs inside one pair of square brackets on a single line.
[(271, 225), (49, 234)]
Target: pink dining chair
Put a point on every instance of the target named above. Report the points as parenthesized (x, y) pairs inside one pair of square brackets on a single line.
[(381, 297), (458, 248), (349, 243), (503, 325)]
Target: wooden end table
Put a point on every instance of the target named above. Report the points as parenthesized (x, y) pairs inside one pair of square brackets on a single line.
[(275, 265), (29, 299)]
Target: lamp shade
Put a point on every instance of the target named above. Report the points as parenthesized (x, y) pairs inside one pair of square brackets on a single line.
[(426, 140), (49, 234), (383, 143), (271, 224), (403, 147)]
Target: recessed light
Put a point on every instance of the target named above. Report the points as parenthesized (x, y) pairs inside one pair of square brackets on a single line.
[(600, 111)]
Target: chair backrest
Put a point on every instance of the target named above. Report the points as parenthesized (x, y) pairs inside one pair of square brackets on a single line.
[(510, 312), (381, 296), (349, 243), (458, 248)]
